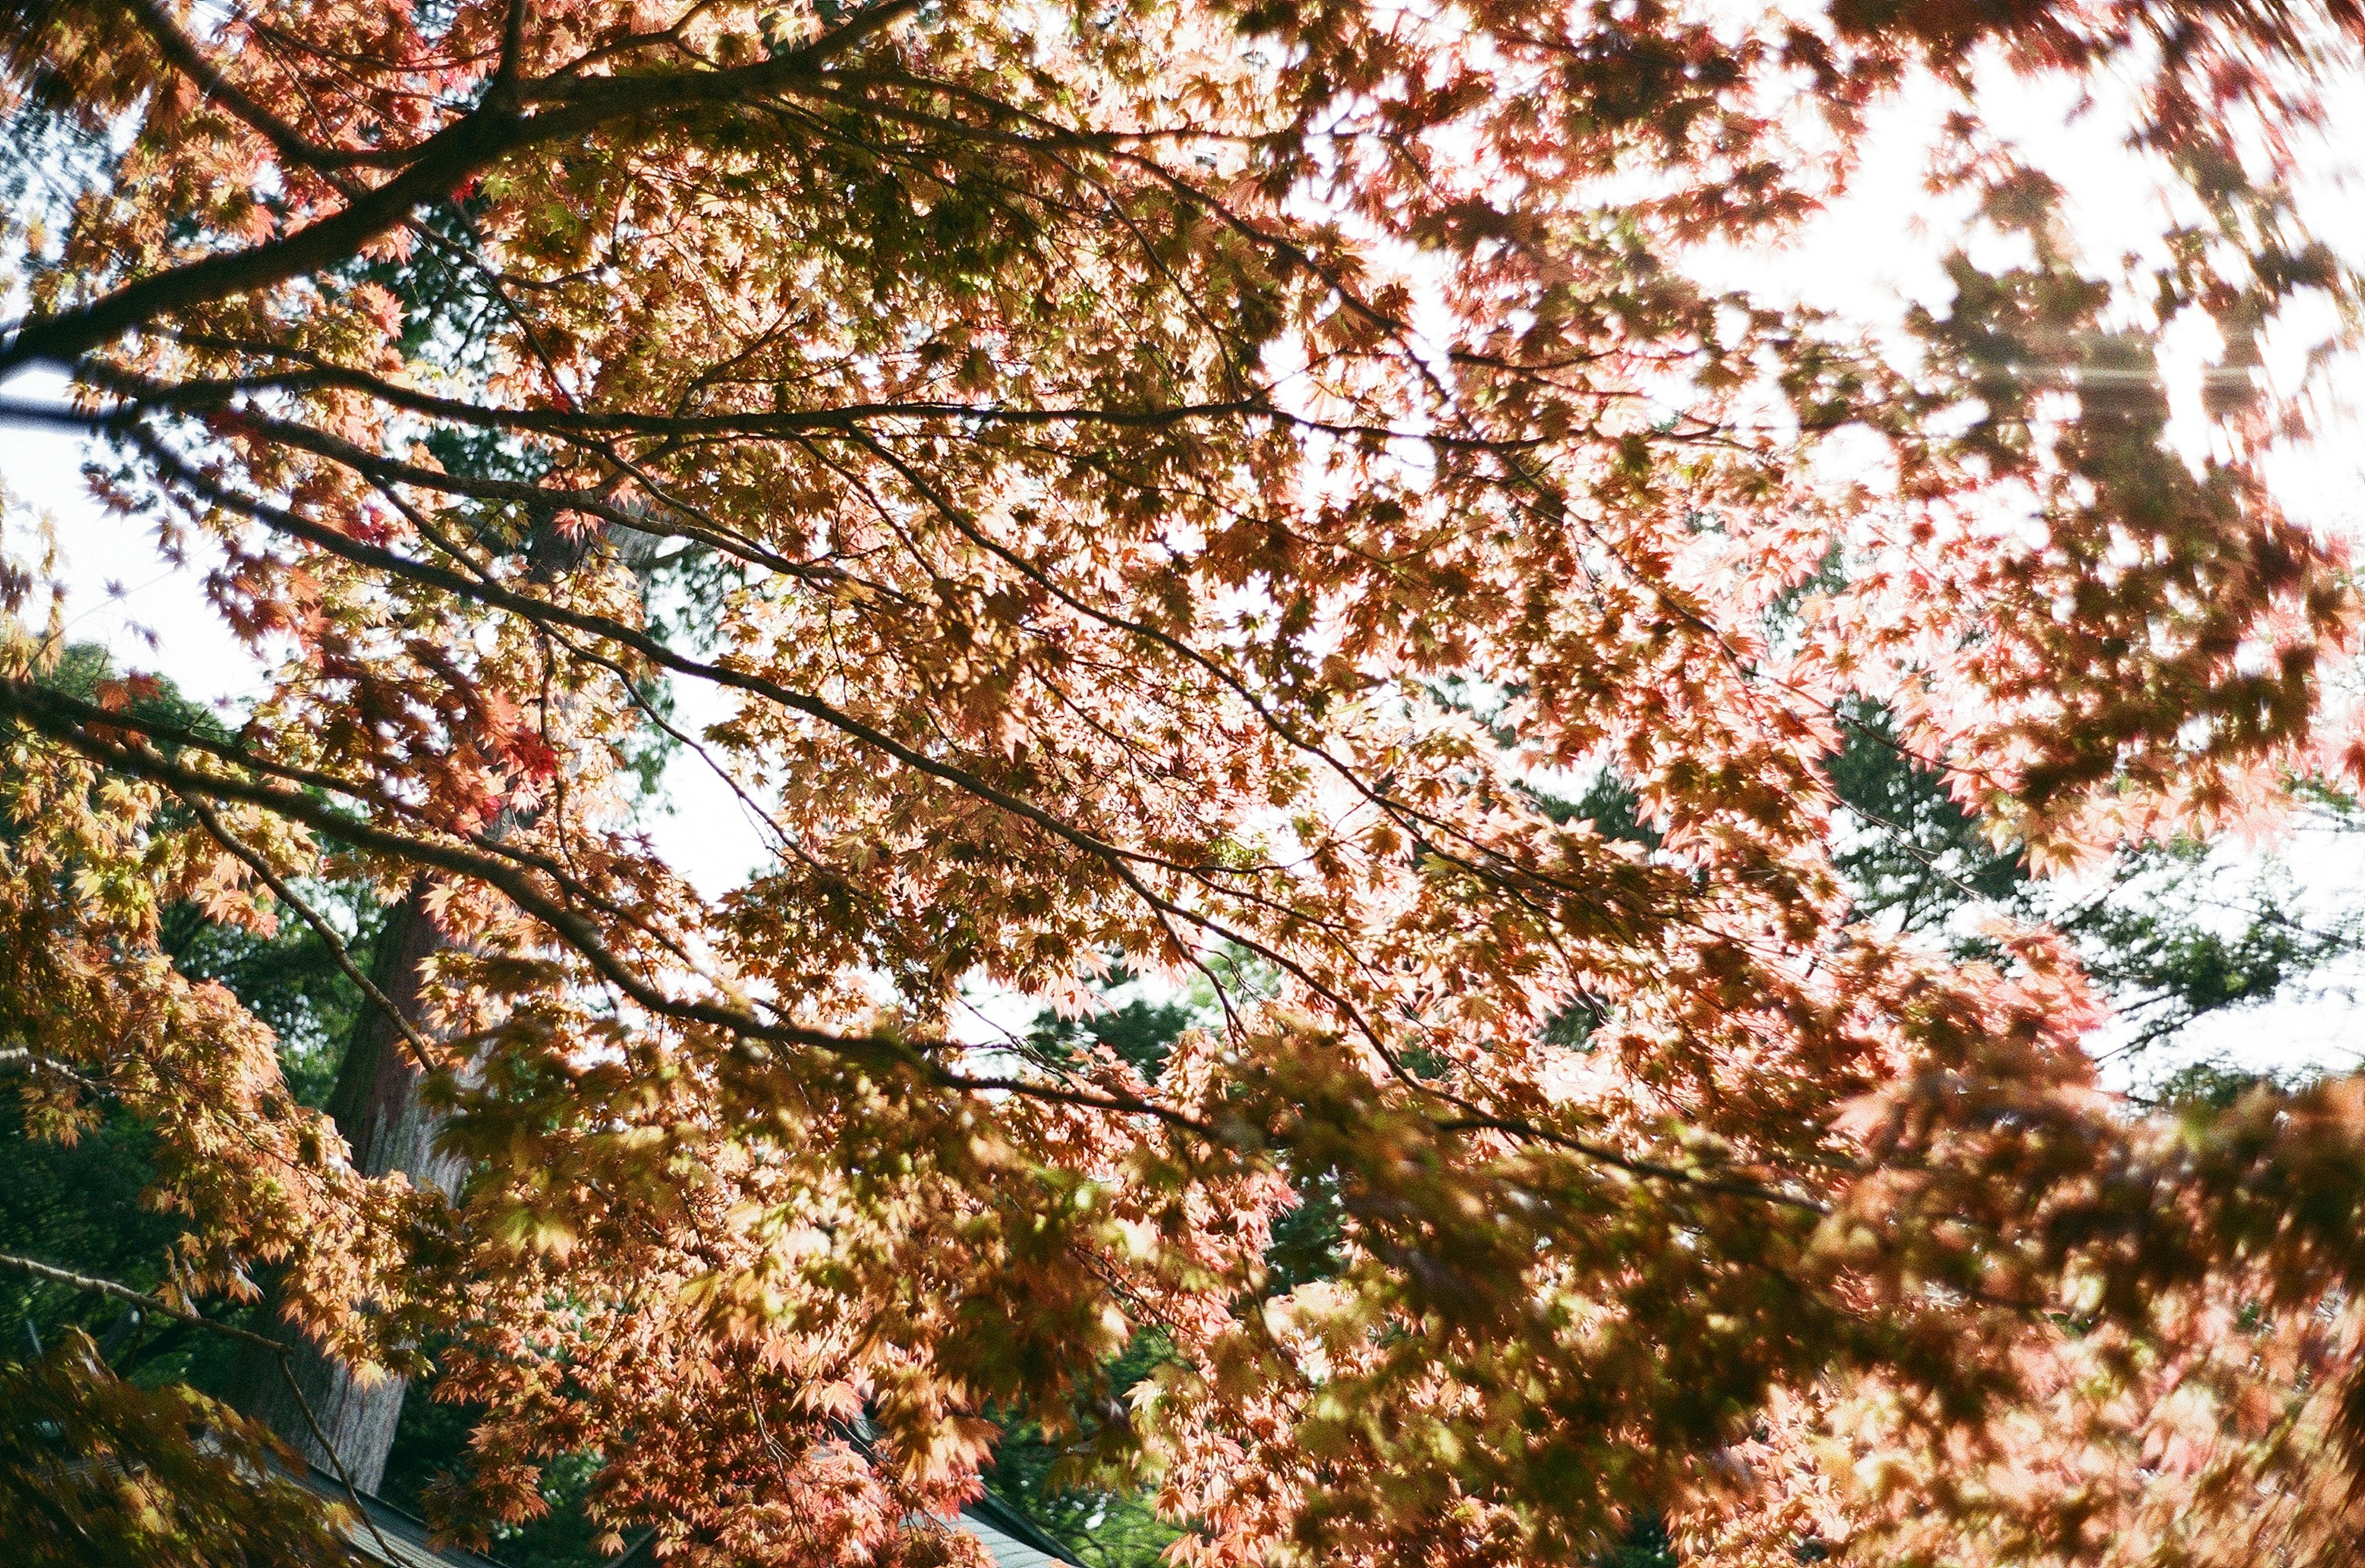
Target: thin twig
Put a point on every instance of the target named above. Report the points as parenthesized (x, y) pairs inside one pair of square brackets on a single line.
[(420, 1050), (336, 1460)]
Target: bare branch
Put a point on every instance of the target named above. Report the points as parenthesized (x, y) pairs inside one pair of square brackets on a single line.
[(140, 1299)]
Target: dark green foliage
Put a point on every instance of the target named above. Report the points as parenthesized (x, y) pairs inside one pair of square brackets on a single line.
[(1053, 1482), (2170, 936), (2174, 940), (427, 1464), (2205, 1086), (451, 307), (77, 1206), (430, 1439), (290, 979), (89, 671), (1140, 1033), (1305, 1239), (1920, 856), (1646, 1546), (1609, 803)]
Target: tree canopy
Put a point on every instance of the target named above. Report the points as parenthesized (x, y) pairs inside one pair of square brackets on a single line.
[(1233, 494)]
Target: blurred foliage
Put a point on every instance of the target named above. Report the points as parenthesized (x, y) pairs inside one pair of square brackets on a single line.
[(2206, 1087), (96, 1470)]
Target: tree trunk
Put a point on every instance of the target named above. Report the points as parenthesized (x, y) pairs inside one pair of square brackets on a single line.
[(377, 1107)]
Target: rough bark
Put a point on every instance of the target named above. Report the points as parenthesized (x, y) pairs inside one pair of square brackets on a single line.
[(377, 1106)]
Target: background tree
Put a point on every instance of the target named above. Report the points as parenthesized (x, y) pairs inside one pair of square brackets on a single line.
[(1116, 448)]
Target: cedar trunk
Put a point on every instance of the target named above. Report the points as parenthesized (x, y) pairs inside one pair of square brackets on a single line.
[(377, 1106)]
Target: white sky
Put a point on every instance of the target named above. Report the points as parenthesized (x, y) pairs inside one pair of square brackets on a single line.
[(1867, 256)]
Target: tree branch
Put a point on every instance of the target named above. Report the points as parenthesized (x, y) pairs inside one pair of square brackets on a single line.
[(182, 53), (140, 1299), (420, 1050), (495, 126), (19, 1055)]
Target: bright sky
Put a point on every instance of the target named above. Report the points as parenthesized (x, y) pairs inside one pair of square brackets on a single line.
[(1872, 252)]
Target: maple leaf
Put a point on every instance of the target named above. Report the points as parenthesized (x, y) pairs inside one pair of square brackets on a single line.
[(1171, 492)]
